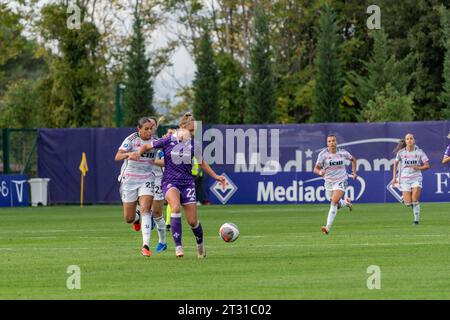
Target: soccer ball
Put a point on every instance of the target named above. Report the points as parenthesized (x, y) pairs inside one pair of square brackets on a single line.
[(229, 232)]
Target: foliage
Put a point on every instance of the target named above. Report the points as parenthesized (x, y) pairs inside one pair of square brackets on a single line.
[(206, 82), (329, 81), (260, 88), (389, 105), (139, 87)]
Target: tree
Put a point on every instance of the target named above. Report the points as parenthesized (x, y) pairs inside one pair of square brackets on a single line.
[(11, 40), (445, 94), (139, 90), (329, 78), (22, 106), (390, 105), (380, 70), (206, 82), (260, 88), (414, 27), (77, 69), (231, 98)]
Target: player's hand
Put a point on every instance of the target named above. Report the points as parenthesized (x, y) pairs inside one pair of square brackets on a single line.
[(322, 173), (134, 156), (416, 168), (354, 175), (222, 181), (394, 181)]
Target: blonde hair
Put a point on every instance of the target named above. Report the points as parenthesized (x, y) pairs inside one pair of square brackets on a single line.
[(185, 119)]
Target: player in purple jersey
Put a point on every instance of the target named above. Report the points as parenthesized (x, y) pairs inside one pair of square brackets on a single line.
[(178, 183), (331, 165), (446, 158), (410, 161)]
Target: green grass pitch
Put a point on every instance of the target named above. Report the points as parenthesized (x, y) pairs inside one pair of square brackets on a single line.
[(280, 254)]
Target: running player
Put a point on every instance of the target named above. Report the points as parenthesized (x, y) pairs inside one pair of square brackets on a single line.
[(158, 201), (330, 165), (410, 160), (136, 178), (446, 158), (178, 183)]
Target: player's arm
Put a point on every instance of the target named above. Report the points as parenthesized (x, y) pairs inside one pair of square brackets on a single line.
[(353, 160), (445, 159), (159, 162), (143, 149), (122, 155), (425, 166), (394, 177), (318, 170), (211, 172)]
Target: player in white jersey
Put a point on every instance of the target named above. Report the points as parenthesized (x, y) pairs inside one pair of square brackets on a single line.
[(331, 164), (137, 179), (410, 160)]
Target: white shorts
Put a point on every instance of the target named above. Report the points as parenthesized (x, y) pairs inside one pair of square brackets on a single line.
[(156, 189), (333, 186), (130, 191), (407, 185)]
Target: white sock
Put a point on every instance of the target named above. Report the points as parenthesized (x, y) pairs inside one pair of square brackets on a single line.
[(343, 203), (146, 227), (331, 215), (416, 211), (161, 227), (136, 215)]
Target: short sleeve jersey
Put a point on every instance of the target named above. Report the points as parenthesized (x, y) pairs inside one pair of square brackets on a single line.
[(334, 164), (407, 160), (177, 159), (141, 169)]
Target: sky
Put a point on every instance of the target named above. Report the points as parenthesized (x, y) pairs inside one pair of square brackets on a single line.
[(182, 71)]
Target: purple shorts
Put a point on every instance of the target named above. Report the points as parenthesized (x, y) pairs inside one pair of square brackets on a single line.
[(187, 191)]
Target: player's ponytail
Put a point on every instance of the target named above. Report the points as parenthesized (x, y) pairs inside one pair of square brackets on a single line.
[(401, 145), (186, 119)]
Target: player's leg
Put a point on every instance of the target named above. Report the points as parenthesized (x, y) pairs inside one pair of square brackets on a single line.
[(137, 218), (190, 211), (145, 202), (189, 203), (407, 198), (129, 196), (415, 198), (168, 212), (335, 197), (129, 211), (158, 217), (173, 199)]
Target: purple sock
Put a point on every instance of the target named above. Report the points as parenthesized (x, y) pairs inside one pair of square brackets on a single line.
[(198, 233), (175, 227)]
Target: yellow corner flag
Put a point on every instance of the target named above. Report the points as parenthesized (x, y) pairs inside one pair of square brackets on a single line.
[(84, 169), (83, 164)]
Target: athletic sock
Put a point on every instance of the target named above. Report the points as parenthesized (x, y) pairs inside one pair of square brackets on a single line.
[(343, 203), (331, 215), (175, 226), (136, 215), (161, 227), (416, 211), (146, 228), (198, 232)]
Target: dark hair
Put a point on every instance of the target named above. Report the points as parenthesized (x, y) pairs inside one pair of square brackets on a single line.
[(401, 144), (330, 136), (144, 120)]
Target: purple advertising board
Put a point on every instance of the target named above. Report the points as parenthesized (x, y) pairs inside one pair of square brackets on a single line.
[(264, 164)]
